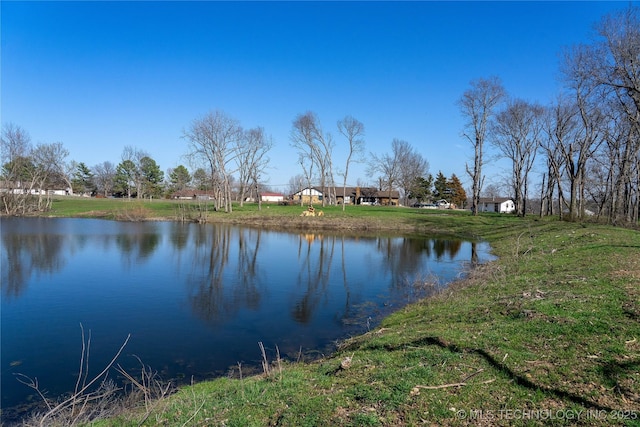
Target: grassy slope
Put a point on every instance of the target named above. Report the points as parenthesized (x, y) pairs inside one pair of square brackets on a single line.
[(553, 325)]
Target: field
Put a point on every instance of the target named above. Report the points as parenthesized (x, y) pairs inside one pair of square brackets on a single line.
[(353, 218), (548, 334)]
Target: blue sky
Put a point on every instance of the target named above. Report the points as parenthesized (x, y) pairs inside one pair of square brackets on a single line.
[(99, 76)]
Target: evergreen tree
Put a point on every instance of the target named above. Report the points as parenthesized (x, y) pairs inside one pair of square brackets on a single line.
[(152, 177), (201, 179), (457, 194), (441, 187), (19, 170), (422, 189), (83, 180), (179, 178), (125, 178)]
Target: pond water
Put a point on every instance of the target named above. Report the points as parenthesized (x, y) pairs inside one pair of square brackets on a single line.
[(197, 299)]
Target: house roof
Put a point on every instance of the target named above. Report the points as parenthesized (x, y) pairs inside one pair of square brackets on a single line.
[(267, 193), (15, 185), (494, 199), (364, 192), (317, 189), (192, 193), (381, 194)]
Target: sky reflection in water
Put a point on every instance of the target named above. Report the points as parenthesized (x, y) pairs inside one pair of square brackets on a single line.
[(196, 299)]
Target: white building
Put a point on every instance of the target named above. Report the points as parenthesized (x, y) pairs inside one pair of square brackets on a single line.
[(272, 197), (308, 196), (496, 204)]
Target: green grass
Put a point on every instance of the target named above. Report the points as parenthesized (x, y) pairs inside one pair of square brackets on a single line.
[(551, 327), (354, 218), (112, 208)]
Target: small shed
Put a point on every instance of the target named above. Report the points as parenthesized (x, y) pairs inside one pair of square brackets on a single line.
[(496, 204)]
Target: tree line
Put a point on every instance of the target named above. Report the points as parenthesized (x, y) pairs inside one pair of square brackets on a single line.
[(585, 145), (228, 162)]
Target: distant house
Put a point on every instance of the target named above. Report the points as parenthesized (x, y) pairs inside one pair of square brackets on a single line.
[(352, 196), (308, 196), (380, 197), (268, 197), (193, 194), (357, 195), (12, 187), (496, 204), (60, 192)]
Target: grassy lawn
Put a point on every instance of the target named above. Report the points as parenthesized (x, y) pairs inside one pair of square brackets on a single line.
[(548, 334), (353, 218)]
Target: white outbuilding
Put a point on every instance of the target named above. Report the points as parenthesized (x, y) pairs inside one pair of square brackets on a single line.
[(496, 204)]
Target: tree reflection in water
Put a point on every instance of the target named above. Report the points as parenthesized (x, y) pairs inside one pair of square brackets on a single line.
[(41, 249), (197, 298), (219, 287), (25, 255), (217, 290)]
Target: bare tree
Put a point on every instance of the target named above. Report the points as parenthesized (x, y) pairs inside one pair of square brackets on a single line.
[(16, 145), (353, 131), (29, 171), (17, 169), (412, 167), (604, 78), (306, 163), (620, 157), (477, 105), (492, 191), (559, 127), (516, 135), (49, 162), (16, 149), (399, 168), (252, 161), (598, 183), (590, 123), (314, 149), (302, 138), (104, 174), (616, 58), (213, 142), (296, 184), (616, 65), (387, 166)]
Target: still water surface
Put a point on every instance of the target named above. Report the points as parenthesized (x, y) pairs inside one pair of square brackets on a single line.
[(196, 299)]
